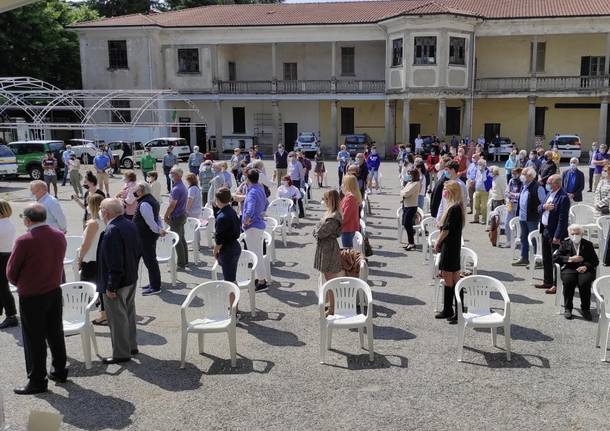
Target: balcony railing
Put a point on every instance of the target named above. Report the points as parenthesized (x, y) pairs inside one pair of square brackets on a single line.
[(359, 86), (245, 87), (301, 87), (585, 84)]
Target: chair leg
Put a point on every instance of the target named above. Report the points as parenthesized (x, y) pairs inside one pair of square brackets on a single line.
[(369, 333), (200, 341), (183, 347), (93, 340), (494, 335), (461, 329), (329, 337), (252, 294), (233, 345), (507, 340), (173, 269), (605, 343), (322, 340), (86, 340), (284, 234), (196, 248)]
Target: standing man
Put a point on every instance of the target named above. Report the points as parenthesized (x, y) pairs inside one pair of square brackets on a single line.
[(496, 144), (148, 223), (281, 164), (342, 159), (419, 144), (531, 196), (169, 161), (482, 185), (37, 272), (195, 160), (594, 149), (547, 168), (471, 177), (373, 163), (306, 170), (54, 214), (175, 215), (148, 163), (600, 159), (573, 181), (101, 161), (65, 156), (118, 254), (555, 213), (297, 176)]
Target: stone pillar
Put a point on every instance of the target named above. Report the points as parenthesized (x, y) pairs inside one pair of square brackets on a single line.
[(406, 119), (163, 117), (390, 127), (603, 121), (467, 118), (333, 67), (274, 70), (275, 124), (442, 118), (531, 122), (334, 130), (218, 126)]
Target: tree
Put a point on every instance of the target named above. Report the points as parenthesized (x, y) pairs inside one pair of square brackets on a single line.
[(34, 42), (183, 4), (109, 8)]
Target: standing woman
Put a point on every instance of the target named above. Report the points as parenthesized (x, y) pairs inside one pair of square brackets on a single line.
[(90, 185), (449, 246), (319, 169), (328, 256), (424, 180), (513, 190), (49, 168), (350, 210), (7, 238), (127, 195), (193, 202), (75, 176), (410, 197)]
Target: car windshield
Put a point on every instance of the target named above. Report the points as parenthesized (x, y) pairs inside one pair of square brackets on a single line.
[(6, 151), (139, 146), (567, 141), (56, 146), (307, 139), (356, 140)]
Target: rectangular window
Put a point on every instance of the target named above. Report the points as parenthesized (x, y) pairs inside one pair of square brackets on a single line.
[(491, 130), (239, 120), (425, 50), (592, 66), (290, 72), (188, 60), (397, 52), (539, 121), (117, 54), (457, 50), (347, 121), (348, 63), (540, 56), (232, 71), (452, 125), (120, 111)]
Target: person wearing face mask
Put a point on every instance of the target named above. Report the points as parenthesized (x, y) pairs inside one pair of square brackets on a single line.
[(373, 164), (601, 198), (297, 175), (205, 178), (594, 149), (37, 272), (482, 185), (126, 195), (363, 172), (90, 186), (195, 160), (533, 161), (553, 226), (471, 177), (437, 202), (573, 181), (530, 198), (600, 160), (498, 188), (431, 162), (226, 234), (547, 168), (118, 255), (409, 196), (55, 216), (287, 190), (578, 261), (152, 178), (175, 215), (511, 163), (217, 181), (101, 161), (148, 163), (343, 158), (513, 189), (281, 163), (169, 161), (350, 210)]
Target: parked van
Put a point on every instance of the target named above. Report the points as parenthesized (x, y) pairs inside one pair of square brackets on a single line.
[(158, 147), (568, 145), (30, 154)]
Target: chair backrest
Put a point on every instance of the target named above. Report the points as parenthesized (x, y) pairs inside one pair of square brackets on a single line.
[(345, 291), (362, 227), (279, 208), (399, 213), (166, 244), (502, 211), (515, 227), (207, 213), (247, 261), (467, 256), (427, 203), (433, 236), (428, 225), (268, 240), (73, 244), (476, 292), (420, 214), (76, 298), (215, 296), (582, 214), (359, 242), (601, 292), (604, 224), (191, 225), (535, 242), (270, 224)]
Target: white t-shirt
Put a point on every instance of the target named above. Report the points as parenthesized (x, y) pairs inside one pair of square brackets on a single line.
[(7, 235), (288, 192)]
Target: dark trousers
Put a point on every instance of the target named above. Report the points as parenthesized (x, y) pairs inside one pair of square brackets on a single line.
[(548, 248), (88, 272), (297, 184), (168, 180), (308, 188), (572, 279), (341, 172), (526, 228), (591, 172), (227, 259), (182, 253), (194, 170), (7, 302), (41, 325), (408, 216), (149, 256)]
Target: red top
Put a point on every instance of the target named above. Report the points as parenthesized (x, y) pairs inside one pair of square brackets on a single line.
[(36, 265), (351, 214)]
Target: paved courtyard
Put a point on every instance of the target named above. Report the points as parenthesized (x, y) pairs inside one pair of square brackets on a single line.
[(555, 379)]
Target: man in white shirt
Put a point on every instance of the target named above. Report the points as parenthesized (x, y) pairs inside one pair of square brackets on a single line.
[(419, 144), (55, 215)]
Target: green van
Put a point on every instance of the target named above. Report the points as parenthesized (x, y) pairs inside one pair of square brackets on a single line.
[(30, 154)]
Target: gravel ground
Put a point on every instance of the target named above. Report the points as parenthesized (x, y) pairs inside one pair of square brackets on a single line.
[(555, 379)]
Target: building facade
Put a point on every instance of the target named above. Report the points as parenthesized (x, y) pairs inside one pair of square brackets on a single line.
[(391, 69)]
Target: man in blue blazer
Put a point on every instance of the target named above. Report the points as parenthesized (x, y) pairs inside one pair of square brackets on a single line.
[(118, 254), (554, 221), (573, 182)]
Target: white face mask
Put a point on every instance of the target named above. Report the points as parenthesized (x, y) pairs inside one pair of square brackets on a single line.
[(285, 183), (573, 166), (576, 238), (523, 178)]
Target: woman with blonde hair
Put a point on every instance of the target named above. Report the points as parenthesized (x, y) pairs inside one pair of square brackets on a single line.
[(7, 238), (449, 245), (350, 210)]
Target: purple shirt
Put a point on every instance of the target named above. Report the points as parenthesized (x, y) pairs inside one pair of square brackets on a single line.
[(180, 195), (254, 207), (600, 156)]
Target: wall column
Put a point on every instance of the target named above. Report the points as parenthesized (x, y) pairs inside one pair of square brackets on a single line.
[(406, 119), (390, 127), (334, 129), (603, 121), (218, 126), (467, 118), (273, 69), (333, 67), (531, 122), (275, 124), (441, 126)]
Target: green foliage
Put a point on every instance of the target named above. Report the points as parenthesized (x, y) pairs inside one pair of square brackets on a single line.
[(183, 4), (110, 8), (34, 42)]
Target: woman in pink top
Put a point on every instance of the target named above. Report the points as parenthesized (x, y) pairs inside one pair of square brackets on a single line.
[(127, 194), (350, 209)]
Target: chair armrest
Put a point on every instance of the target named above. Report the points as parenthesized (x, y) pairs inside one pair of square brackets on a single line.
[(188, 300), (214, 270)]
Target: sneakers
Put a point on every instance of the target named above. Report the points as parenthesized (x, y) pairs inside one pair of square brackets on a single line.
[(261, 286), (150, 291), (521, 262), (9, 322), (551, 290)]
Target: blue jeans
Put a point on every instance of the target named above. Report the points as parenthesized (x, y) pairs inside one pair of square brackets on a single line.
[(421, 200), (227, 259), (526, 228), (347, 239)]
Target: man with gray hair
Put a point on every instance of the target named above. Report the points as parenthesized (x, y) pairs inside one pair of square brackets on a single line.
[(578, 262), (530, 198), (195, 160), (55, 215), (175, 215), (118, 255), (573, 181)]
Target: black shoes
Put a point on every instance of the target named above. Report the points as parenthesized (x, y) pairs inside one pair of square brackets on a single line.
[(9, 322), (31, 389), (134, 352), (521, 262), (261, 286), (115, 360), (58, 377), (586, 314), (568, 314)]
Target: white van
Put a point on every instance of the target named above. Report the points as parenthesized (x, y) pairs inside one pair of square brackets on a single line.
[(568, 145), (158, 147)]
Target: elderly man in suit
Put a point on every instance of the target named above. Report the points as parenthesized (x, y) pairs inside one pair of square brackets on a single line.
[(554, 213), (578, 261), (118, 254), (573, 181)]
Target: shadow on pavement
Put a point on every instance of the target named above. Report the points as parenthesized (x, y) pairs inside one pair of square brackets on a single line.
[(393, 298), (271, 336), (244, 365), (294, 298), (516, 298), (361, 362), (497, 359), (502, 276), (166, 374)]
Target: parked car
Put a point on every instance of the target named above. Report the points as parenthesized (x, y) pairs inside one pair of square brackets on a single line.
[(8, 161), (568, 145), (158, 147), (307, 142), (506, 146), (30, 154), (84, 149), (357, 143), (129, 153)]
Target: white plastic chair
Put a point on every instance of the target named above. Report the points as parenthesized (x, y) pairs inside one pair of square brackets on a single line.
[(559, 287), (245, 275), (476, 298), (362, 227), (270, 251), (207, 230), (426, 227), (502, 212), (217, 315), (305, 200), (515, 235), (417, 226), (535, 253), (399, 225), (429, 253), (363, 214), (73, 244), (271, 226), (191, 235), (166, 253), (359, 243), (488, 211), (601, 293), (468, 261), (346, 292), (280, 210), (79, 298), (584, 215), (603, 229)]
